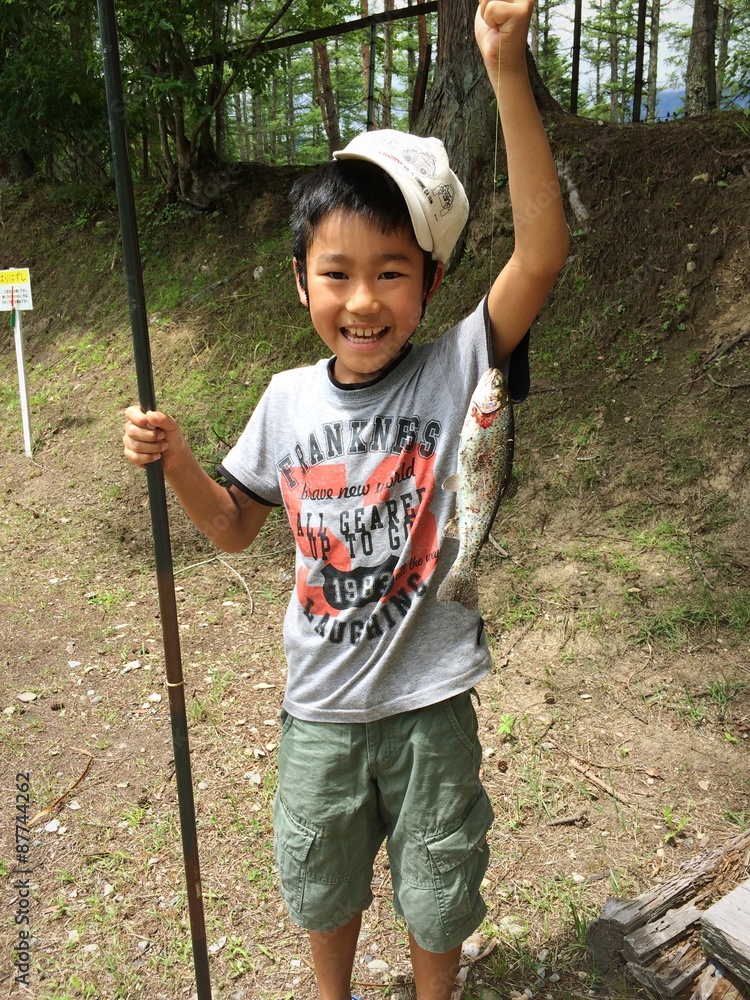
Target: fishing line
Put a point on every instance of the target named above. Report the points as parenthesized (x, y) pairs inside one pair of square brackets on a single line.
[(494, 165)]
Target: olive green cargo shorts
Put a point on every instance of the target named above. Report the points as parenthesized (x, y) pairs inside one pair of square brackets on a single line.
[(411, 779)]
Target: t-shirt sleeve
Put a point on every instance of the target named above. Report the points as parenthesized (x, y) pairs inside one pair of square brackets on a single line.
[(251, 464), (518, 374), (466, 353), (516, 367)]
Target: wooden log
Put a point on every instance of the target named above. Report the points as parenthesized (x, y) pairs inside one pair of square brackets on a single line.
[(646, 941), (726, 931), (671, 972), (714, 984), (620, 917)]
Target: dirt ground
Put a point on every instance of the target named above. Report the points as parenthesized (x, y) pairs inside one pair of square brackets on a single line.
[(616, 593)]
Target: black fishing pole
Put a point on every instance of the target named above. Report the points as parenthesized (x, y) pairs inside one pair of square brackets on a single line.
[(156, 491)]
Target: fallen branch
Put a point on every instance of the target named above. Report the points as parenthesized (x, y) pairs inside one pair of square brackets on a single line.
[(51, 808), (581, 817), (205, 562), (586, 773), (728, 385)]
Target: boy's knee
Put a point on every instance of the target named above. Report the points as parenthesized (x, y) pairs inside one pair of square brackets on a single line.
[(439, 893), (319, 895)]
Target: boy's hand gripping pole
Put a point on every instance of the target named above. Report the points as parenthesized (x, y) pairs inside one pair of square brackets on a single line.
[(156, 490)]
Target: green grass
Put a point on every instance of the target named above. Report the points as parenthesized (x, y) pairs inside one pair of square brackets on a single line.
[(677, 624)]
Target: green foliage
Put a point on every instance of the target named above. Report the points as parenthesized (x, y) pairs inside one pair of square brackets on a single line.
[(506, 726), (553, 63), (737, 74), (676, 823), (200, 94), (197, 90), (53, 95)]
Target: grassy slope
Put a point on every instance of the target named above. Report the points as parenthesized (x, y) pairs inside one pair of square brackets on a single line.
[(628, 556)]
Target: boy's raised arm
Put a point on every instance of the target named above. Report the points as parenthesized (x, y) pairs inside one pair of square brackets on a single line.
[(541, 232), (225, 515)]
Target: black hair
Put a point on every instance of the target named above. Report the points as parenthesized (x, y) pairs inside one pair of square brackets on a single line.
[(353, 186)]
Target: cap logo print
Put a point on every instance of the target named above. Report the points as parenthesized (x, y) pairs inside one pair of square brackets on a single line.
[(419, 166)]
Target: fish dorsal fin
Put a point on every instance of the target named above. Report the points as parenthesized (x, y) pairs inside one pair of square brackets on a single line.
[(451, 484)]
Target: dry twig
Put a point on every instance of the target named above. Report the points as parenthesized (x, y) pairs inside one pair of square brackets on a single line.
[(51, 808), (586, 773)]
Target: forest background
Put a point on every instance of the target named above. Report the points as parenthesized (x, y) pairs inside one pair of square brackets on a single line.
[(210, 82), (616, 586)]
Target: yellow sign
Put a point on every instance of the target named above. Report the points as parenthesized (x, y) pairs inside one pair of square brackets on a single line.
[(18, 277), (15, 289)]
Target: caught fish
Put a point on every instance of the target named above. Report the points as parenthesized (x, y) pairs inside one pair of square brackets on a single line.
[(485, 466)]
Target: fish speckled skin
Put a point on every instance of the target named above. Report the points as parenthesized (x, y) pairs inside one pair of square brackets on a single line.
[(485, 466)]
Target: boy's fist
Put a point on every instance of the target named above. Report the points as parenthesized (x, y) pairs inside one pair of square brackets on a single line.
[(501, 28), (151, 436)]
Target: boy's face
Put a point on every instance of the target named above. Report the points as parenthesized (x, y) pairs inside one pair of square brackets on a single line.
[(365, 291)]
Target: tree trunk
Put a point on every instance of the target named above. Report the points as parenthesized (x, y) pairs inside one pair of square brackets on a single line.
[(325, 96), (146, 171), (653, 61), (193, 169), (700, 79), (712, 20), (726, 14), (640, 51), (291, 139), (614, 83), (626, 47), (274, 114), (460, 108), (419, 91), (364, 10), (597, 56), (387, 70), (258, 137), (170, 168)]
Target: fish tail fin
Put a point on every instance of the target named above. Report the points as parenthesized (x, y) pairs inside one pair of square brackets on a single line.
[(460, 585)]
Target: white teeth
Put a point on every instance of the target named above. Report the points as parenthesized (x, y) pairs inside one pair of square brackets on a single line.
[(371, 334)]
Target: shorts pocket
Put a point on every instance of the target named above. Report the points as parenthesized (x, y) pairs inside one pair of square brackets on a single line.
[(458, 861), (286, 721), (463, 720), (292, 843)]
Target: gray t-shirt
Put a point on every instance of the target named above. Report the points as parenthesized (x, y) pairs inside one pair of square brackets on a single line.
[(360, 471)]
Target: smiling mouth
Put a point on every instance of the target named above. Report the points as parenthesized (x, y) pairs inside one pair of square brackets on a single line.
[(360, 336)]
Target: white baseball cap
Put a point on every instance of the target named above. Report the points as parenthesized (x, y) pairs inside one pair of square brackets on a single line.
[(435, 197)]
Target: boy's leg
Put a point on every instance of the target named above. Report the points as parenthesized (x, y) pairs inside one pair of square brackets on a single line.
[(327, 832), (333, 957), (434, 972), (437, 847)]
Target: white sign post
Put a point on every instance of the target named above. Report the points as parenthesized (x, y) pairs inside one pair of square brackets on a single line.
[(15, 296)]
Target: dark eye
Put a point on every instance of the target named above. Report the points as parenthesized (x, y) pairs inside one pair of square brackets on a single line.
[(390, 275), (336, 275)]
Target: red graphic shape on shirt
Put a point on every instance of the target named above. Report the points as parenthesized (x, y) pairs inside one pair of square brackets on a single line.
[(353, 547)]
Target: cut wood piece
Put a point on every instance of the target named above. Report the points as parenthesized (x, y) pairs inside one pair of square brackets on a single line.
[(714, 984), (620, 917), (646, 941), (726, 931), (672, 971)]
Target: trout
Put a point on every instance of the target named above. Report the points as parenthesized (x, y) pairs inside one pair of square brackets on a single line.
[(484, 476)]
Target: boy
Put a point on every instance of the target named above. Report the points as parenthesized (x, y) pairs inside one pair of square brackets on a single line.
[(378, 728)]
